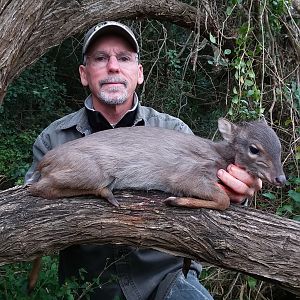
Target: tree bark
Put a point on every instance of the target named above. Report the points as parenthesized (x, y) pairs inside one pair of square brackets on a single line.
[(28, 26), (242, 239)]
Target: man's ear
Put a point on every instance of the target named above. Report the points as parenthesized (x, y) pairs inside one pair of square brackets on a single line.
[(140, 78), (83, 77)]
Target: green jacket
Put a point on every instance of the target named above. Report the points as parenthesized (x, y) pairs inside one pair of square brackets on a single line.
[(126, 272)]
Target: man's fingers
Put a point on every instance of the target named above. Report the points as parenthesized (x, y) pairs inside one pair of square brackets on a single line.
[(234, 197), (251, 181), (234, 184), (238, 184)]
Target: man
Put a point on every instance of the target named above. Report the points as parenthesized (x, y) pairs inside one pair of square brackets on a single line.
[(112, 71)]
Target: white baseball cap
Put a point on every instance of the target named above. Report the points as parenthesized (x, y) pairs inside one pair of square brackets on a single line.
[(109, 27)]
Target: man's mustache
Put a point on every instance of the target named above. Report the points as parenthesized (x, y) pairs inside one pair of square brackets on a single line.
[(113, 80)]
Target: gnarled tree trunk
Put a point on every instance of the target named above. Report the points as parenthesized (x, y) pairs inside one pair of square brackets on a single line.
[(241, 239)]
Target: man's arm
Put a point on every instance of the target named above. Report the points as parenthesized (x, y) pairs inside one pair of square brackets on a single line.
[(40, 147)]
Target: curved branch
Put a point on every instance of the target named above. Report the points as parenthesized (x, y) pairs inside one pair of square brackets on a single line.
[(28, 26), (242, 239)]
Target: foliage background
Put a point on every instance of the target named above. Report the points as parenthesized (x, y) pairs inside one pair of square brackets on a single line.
[(250, 71)]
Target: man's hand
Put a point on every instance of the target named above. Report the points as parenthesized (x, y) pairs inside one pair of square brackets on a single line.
[(238, 184)]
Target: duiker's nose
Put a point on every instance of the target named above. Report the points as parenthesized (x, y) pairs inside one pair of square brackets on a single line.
[(280, 180)]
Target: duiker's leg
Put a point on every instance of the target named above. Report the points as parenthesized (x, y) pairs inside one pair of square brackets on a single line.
[(107, 194), (45, 188), (214, 198)]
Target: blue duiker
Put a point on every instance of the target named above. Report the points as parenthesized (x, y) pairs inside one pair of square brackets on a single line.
[(149, 158)]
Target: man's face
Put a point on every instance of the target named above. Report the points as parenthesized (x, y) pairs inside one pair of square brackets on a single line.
[(112, 71)]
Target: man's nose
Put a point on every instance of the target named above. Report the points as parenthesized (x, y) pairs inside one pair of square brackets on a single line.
[(113, 64)]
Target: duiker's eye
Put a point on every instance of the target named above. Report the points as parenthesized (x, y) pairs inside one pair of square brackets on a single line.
[(253, 149)]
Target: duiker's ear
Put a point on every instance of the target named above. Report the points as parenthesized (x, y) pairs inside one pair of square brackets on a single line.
[(263, 120), (227, 129)]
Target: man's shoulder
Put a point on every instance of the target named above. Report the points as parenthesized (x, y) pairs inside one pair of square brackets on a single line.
[(67, 121), (76, 119), (62, 130), (155, 118)]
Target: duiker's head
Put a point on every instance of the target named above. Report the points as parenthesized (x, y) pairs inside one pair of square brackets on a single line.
[(257, 148)]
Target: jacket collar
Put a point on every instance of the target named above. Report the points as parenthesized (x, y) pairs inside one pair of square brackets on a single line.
[(98, 122), (80, 120)]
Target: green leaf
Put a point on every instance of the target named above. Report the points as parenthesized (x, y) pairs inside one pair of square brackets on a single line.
[(249, 82), (82, 273), (251, 74), (251, 282), (212, 38), (296, 218), (250, 93), (235, 99), (236, 75), (269, 195), (229, 11), (287, 207), (227, 51), (294, 195)]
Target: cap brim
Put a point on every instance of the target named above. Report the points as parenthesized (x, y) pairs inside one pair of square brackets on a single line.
[(112, 29)]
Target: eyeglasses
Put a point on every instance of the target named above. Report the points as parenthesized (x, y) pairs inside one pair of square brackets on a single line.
[(101, 59)]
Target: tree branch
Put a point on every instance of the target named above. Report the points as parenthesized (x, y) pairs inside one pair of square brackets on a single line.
[(27, 26), (241, 239)]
